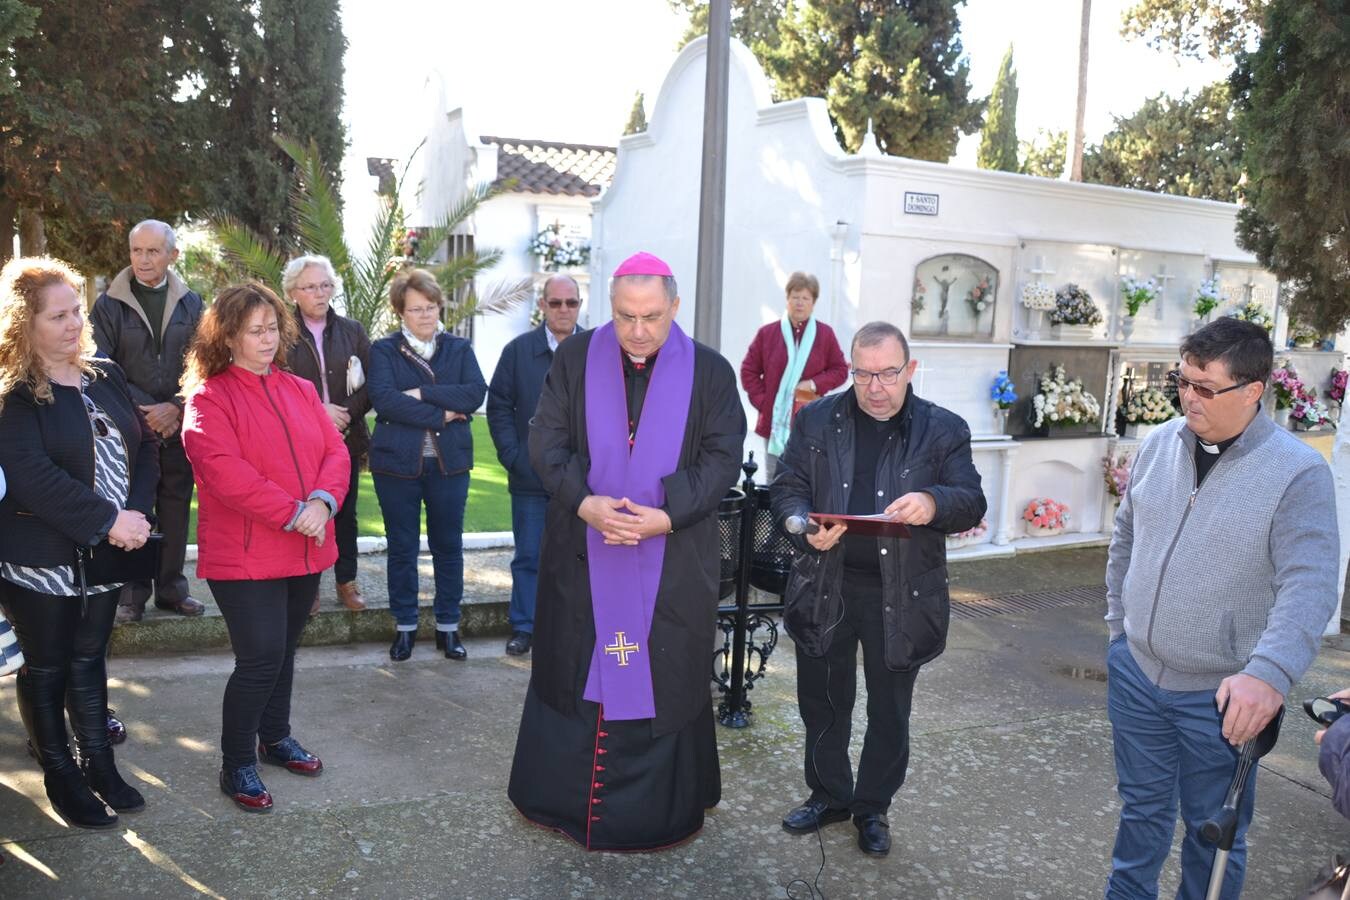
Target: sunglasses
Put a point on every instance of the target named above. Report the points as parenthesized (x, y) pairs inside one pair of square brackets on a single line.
[(1203, 393), (558, 304)]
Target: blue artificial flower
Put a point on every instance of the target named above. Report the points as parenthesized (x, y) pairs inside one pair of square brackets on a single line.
[(1001, 391)]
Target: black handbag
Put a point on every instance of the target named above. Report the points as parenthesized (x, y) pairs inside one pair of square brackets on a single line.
[(105, 564)]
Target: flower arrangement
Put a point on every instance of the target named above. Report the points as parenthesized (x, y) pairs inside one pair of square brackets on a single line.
[(1288, 386), (1074, 306), (1138, 294), (1308, 411), (1301, 335), (980, 296), (916, 301), (1149, 407), (1336, 390), (970, 536), (1063, 402), (1253, 311), (1001, 391), (1207, 297), (1116, 469), (556, 251), (1043, 512), (1038, 296)]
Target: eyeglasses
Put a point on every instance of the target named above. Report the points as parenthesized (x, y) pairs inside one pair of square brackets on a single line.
[(558, 304), (1203, 393), (321, 288), (887, 377), (421, 310)]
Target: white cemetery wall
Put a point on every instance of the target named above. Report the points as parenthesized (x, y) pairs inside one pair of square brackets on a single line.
[(958, 376), (1067, 470), (1171, 315)]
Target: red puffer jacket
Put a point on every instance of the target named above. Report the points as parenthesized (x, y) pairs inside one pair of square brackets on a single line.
[(257, 444)]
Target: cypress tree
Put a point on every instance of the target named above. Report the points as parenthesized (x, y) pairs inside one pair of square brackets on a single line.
[(998, 140)]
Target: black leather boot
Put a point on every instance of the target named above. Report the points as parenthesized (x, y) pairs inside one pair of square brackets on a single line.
[(100, 773), (402, 647), (74, 802)]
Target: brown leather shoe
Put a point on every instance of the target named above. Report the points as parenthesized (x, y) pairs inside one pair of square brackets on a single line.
[(185, 607), (349, 595)]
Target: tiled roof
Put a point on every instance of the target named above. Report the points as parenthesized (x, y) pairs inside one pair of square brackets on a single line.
[(547, 167)]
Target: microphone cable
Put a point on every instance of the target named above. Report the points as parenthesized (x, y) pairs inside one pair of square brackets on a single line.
[(813, 887)]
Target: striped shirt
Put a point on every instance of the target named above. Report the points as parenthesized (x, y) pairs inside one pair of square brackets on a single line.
[(112, 481)]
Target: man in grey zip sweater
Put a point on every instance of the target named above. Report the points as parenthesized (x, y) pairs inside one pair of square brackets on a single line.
[(1220, 579)]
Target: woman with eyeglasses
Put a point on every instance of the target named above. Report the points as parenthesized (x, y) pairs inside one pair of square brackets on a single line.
[(82, 469), (271, 473), (425, 385), (792, 360), (332, 353)]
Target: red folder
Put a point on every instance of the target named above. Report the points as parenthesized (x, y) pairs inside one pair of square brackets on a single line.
[(879, 525)]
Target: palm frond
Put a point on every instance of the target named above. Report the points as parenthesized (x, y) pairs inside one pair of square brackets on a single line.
[(498, 298), (435, 235), (315, 207), (454, 274), (247, 254)]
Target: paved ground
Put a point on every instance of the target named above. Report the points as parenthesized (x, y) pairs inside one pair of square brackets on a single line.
[(1010, 793)]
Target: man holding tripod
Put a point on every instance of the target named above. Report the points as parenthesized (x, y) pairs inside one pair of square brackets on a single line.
[(1220, 579)]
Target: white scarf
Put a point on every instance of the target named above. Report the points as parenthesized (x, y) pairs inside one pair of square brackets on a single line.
[(424, 349)]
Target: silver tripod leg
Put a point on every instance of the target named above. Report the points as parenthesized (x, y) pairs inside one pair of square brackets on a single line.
[(1216, 875)]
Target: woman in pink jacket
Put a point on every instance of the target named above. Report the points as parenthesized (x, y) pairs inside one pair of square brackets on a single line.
[(271, 472)]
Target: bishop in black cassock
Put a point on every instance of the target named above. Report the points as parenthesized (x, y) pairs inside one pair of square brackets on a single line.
[(616, 747)]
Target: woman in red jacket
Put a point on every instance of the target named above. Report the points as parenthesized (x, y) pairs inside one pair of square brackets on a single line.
[(271, 472), (796, 353)]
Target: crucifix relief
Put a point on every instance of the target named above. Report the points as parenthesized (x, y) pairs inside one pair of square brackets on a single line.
[(621, 648), (942, 299)]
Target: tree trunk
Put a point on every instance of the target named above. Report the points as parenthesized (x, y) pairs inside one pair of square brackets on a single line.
[(8, 210), (1076, 167), (32, 233)]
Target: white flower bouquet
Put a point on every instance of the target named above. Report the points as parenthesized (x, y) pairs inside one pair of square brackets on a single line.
[(1063, 402), (1038, 296), (1149, 407)]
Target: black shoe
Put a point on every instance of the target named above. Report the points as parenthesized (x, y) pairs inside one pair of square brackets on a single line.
[(812, 815), (519, 644), (100, 773), (74, 802), (453, 648), (401, 649), (117, 732), (246, 789), (440, 639), (185, 607), (874, 834)]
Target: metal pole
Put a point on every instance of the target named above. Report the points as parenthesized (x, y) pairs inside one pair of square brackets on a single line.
[(713, 189)]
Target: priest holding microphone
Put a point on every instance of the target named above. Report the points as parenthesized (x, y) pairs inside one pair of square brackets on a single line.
[(878, 449)]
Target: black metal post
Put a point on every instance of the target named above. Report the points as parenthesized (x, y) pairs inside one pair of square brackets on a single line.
[(734, 711), (713, 190)]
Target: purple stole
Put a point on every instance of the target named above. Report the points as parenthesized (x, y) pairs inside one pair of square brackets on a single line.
[(625, 580)]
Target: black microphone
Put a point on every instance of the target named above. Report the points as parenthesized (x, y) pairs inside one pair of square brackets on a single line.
[(800, 525)]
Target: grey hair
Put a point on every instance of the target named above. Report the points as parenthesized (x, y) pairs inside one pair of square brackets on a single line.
[(667, 281), (290, 276), (874, 333), (170, 239)]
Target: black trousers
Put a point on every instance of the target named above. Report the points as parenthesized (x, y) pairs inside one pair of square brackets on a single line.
[(826, 689), (265, 619), (344, 524), (64, 651), (173, 509)]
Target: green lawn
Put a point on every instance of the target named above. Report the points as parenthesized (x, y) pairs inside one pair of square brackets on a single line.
[(488, 509)]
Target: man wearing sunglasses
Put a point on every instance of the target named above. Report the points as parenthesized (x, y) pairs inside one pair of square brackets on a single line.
[(512, 396), (1220, 579), (878, 448)]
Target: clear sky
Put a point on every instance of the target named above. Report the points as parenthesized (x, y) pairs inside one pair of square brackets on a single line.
[(568, 71)]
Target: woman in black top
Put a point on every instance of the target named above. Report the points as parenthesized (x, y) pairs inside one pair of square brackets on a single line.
[(75, 450)]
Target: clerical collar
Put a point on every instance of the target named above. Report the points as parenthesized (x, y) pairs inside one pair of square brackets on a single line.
[(1215, 449), (633, 363)]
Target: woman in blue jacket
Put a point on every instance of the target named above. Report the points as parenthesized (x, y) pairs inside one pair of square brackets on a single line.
[(424, 384)]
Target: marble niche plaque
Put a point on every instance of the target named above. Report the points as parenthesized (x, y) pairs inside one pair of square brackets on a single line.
[(954, 298), (1026, 364)]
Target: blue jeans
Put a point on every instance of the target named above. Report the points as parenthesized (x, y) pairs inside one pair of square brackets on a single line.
[(401, 501), (527, 525), (1168, 746)]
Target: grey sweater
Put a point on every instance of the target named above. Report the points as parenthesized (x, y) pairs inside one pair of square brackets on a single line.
[(1237, 575)]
